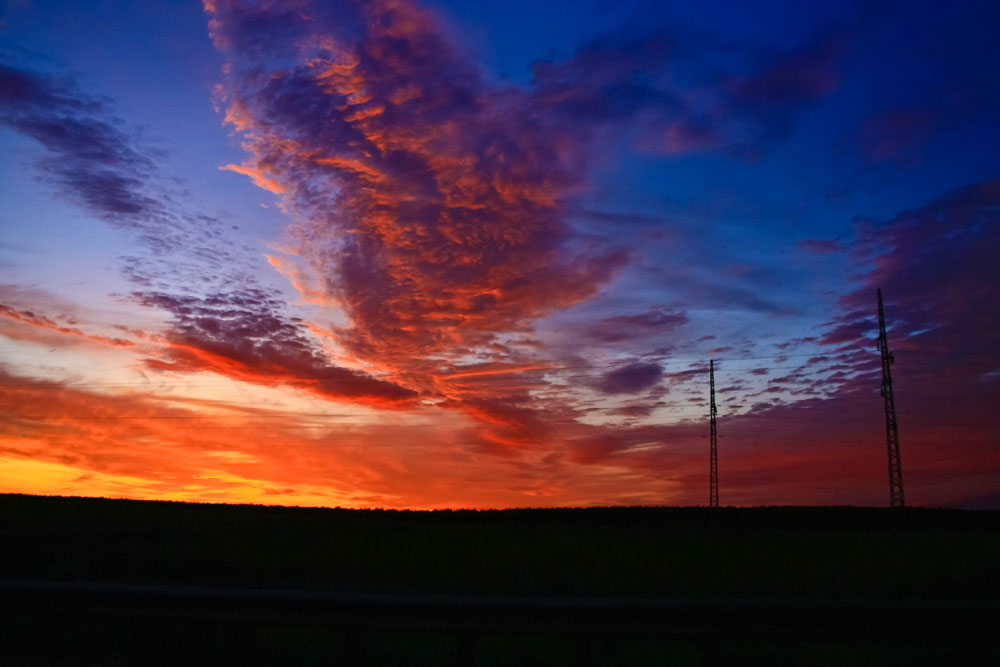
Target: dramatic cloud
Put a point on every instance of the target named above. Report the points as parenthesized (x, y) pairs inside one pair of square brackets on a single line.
[(142, 445), (511, 271), (241, 335), (430, 203), (432, 207), (239, 332), (55, 437)]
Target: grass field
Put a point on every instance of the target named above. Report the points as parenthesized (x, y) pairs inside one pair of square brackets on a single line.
[(686, 552), (917, 558)]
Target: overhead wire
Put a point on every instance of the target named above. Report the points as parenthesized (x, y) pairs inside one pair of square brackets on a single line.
[(500, 374), (493, 376)]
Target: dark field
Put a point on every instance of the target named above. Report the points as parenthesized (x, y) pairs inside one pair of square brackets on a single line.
[(778, 561), (774, 552)]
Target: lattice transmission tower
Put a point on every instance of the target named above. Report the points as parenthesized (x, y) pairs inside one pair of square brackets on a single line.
[(713, 500), (896, 498)]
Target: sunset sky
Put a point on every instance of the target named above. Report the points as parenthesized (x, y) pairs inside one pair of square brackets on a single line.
[(452, 254)]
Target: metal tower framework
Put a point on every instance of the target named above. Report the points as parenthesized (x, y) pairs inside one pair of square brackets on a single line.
[(896, 498), (714, 464)]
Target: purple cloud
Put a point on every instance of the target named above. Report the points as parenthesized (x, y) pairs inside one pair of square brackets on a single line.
[(630, 379), (897, 135), (634, 81), (627, 327), (240, 331), (90, 157)]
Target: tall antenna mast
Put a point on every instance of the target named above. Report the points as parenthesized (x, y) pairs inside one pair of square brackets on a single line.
[(891, 431), (714, 465)]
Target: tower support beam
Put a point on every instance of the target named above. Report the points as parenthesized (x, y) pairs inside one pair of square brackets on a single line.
[(714, 457), (896, 498)]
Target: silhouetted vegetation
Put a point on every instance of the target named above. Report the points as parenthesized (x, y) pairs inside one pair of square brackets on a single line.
[(920, 558), (616, 551)]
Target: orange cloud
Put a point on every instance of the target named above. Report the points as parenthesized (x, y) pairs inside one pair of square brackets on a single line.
[(498, 370), (429, 209), (56, 439), (259, 176), (331, 382), (243, 334), (286, 267), (32, 319)]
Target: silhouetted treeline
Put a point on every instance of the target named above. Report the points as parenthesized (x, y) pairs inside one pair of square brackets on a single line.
[(619, 551)]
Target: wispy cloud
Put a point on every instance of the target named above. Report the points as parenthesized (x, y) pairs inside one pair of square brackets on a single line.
[(634, 82), (34, 320), (90, 157), (94, 161), (237, 328)]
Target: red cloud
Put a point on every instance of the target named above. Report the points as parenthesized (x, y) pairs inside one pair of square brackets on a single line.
[(243, 335), (57, 439), (32, 319), (432, 203), (137, 445)]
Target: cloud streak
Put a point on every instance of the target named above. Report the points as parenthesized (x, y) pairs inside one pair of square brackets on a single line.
[(32, 319), (242, 334)]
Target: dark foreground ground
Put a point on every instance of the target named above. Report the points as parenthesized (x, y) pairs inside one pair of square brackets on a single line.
[(95, 582)]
